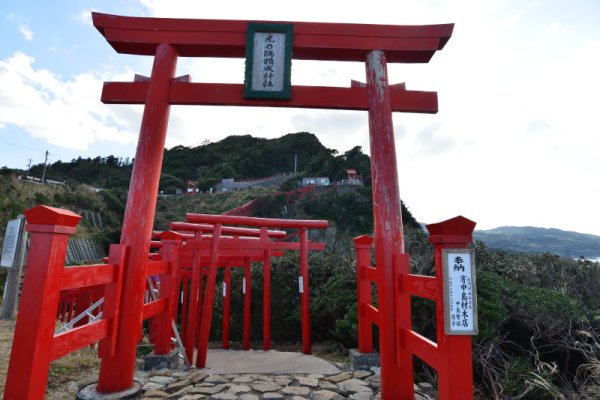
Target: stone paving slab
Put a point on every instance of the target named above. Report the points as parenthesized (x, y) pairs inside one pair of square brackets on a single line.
[(221, 361), (260, 375)]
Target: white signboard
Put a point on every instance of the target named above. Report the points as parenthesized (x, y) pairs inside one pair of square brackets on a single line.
[(301, 284), (460, 294), (11, 240), (224, 289), (269, 61), (244, 285)]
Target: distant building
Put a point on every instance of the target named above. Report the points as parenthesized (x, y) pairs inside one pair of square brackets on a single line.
[(230, 184), (353, 178), (315, 181), (192, 188)]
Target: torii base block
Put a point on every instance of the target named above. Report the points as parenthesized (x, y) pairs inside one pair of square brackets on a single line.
[(89, 392)]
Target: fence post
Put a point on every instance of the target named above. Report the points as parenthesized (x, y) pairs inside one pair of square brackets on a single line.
[(363, 245), (304, 296), (266, 289), (247, 299), (34, 331), (455, 377), (169, 289)]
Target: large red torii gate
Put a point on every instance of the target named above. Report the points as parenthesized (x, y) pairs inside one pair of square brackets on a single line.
[(168, 39)]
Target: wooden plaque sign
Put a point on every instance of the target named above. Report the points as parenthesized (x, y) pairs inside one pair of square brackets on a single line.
[(460, 294), (11, 240), (268, 61)]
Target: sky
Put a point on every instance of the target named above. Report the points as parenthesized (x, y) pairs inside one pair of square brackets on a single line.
[(515, 142)]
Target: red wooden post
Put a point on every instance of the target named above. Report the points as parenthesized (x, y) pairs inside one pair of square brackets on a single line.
[(185, 288), (455, 377), (304, 296), (403, 319), (387, 216), (266, 290), (169, 289), (34, 331), (226, 305), (247, 300), (112, 301), (363, 245), (116, 373), (194, 296), (207, 303)]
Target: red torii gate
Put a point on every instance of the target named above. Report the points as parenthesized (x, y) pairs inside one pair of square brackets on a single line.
[(166, 40), (240, 251)]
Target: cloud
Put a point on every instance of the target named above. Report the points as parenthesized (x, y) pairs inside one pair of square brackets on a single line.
[(22, 25), (65, 113), (26, 32)]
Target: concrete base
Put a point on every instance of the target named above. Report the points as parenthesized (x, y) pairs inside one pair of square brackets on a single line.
[(363, 361), (88, 392), (169, 361)]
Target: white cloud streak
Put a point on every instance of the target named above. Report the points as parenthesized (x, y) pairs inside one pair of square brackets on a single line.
[(26, 32)]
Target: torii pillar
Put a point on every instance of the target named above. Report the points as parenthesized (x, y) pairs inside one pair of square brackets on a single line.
[(116, 373)]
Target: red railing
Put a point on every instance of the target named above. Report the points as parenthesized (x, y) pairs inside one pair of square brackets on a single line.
[(74, 302), (35, 345), (450, 355)]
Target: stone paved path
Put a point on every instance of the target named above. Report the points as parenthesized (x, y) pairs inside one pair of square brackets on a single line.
[(195, 384)]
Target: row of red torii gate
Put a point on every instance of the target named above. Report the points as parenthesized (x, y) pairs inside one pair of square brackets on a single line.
[(192, 251)]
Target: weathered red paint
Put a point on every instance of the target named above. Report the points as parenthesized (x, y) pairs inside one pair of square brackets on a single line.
[(116, 373), (387, 218)]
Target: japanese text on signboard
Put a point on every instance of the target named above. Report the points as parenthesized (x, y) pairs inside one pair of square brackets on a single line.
[(268, 61), (459, 293)]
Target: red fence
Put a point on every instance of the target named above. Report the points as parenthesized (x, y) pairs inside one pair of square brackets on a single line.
[(35, 345), (185, 260), (450, 356)]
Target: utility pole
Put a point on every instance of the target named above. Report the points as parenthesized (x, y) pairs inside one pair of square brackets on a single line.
[(45, 164), (29, 166), (296, 164)]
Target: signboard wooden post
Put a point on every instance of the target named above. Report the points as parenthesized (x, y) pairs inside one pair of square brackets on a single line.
[(460, 294), (13, 254)]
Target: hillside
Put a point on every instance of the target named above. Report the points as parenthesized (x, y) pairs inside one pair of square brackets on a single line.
[(541, 240), (238, 157)]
